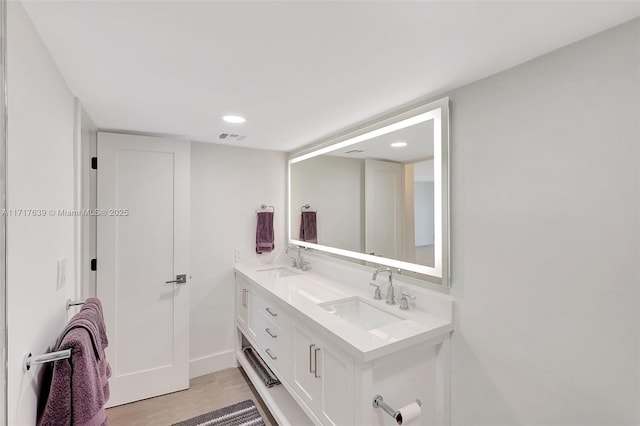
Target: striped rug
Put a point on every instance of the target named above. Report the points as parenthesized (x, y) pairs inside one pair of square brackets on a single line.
[(243, 413)]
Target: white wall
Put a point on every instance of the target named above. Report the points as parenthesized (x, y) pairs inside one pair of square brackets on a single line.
[(545, 175), (334, 186), (228, 184), (40, 176)]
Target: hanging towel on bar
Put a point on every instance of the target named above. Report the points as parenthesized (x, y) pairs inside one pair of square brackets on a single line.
[(309, 227), (264, 233), (78, 388), (76, 395), (92, 310)]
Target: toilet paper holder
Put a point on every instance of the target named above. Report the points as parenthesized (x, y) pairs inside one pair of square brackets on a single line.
[(378, 402)]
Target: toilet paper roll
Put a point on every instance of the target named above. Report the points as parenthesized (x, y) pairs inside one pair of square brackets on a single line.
[(410, 412)]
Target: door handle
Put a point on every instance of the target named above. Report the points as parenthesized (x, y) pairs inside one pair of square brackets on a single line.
[(180, 279), (310, 364), (315, 363)]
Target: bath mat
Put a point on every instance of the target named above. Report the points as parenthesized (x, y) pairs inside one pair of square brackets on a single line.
[(270, 380), (244, 413)]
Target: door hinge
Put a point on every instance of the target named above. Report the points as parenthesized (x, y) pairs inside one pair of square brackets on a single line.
[(94, 264), (94, 163)]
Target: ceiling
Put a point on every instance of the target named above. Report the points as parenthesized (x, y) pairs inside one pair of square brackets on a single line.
[(297, 70)]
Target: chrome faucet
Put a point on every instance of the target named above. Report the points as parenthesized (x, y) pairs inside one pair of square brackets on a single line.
[(294, 261), (391, 300), (298, 262), (303, 265)]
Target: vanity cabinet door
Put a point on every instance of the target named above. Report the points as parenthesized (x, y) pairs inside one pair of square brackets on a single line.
[(336, 372), (243, 298), (323, 378), (305, 382)]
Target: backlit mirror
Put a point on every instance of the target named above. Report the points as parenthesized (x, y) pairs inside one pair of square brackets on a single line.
[(378, 195)]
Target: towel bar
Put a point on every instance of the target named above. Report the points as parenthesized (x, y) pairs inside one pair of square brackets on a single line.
[(30, 360), (71, 303)]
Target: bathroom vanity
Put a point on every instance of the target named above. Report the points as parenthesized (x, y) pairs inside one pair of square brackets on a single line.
[(334, 347)]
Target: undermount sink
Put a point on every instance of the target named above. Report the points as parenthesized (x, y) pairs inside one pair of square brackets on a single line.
[(361, 314), (279, 272)]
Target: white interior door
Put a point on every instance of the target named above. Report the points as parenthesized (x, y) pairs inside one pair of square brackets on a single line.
[(143, 241), (383, 212)]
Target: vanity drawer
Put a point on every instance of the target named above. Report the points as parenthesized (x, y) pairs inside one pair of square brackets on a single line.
[(274, 348), (260, 305), (268, 334)]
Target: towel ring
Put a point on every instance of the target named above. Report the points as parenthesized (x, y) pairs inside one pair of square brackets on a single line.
[(307, 208), (264, 207)]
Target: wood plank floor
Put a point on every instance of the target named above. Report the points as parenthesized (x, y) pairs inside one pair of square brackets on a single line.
[(206, 393)]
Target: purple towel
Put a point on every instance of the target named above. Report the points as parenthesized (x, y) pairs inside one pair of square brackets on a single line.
[(88, 324), (93, 308), (309, 227), (95, 305), (264, 233), (76, 395)]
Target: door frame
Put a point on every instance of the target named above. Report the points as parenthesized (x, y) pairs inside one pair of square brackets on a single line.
[(85, 197), (3, 220)]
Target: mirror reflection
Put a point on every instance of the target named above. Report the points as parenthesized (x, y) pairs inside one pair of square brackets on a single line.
[(375, 197)]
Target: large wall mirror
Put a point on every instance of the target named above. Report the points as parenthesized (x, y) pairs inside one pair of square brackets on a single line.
[(378, 195)]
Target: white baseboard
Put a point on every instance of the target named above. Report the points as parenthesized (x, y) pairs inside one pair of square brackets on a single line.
[(212, 363)]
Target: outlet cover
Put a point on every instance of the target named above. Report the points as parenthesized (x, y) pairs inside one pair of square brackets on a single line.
[(238, 255)]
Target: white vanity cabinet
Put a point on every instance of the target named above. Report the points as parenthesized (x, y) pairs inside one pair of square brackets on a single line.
[(329, 376), (323, 377), (320, 374)]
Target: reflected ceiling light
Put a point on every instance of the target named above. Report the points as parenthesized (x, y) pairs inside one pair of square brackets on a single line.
[(399, 144), (235, 119)]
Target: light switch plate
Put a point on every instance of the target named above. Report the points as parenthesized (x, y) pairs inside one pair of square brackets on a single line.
[(62, 273)]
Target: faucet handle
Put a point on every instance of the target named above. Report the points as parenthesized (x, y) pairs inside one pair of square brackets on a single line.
[(304, 265), (404, 303), (376, 295)]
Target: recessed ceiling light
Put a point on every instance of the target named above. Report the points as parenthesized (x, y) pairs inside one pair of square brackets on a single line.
[(235, 119), (399, 144)]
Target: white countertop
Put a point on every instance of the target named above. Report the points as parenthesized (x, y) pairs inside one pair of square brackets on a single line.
[(304, 292)]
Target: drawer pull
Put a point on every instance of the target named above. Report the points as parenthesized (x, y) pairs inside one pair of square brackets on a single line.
[(310, 363), (270, 333), (273, 314), (244, 297), (270, 354), (315, 362)]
